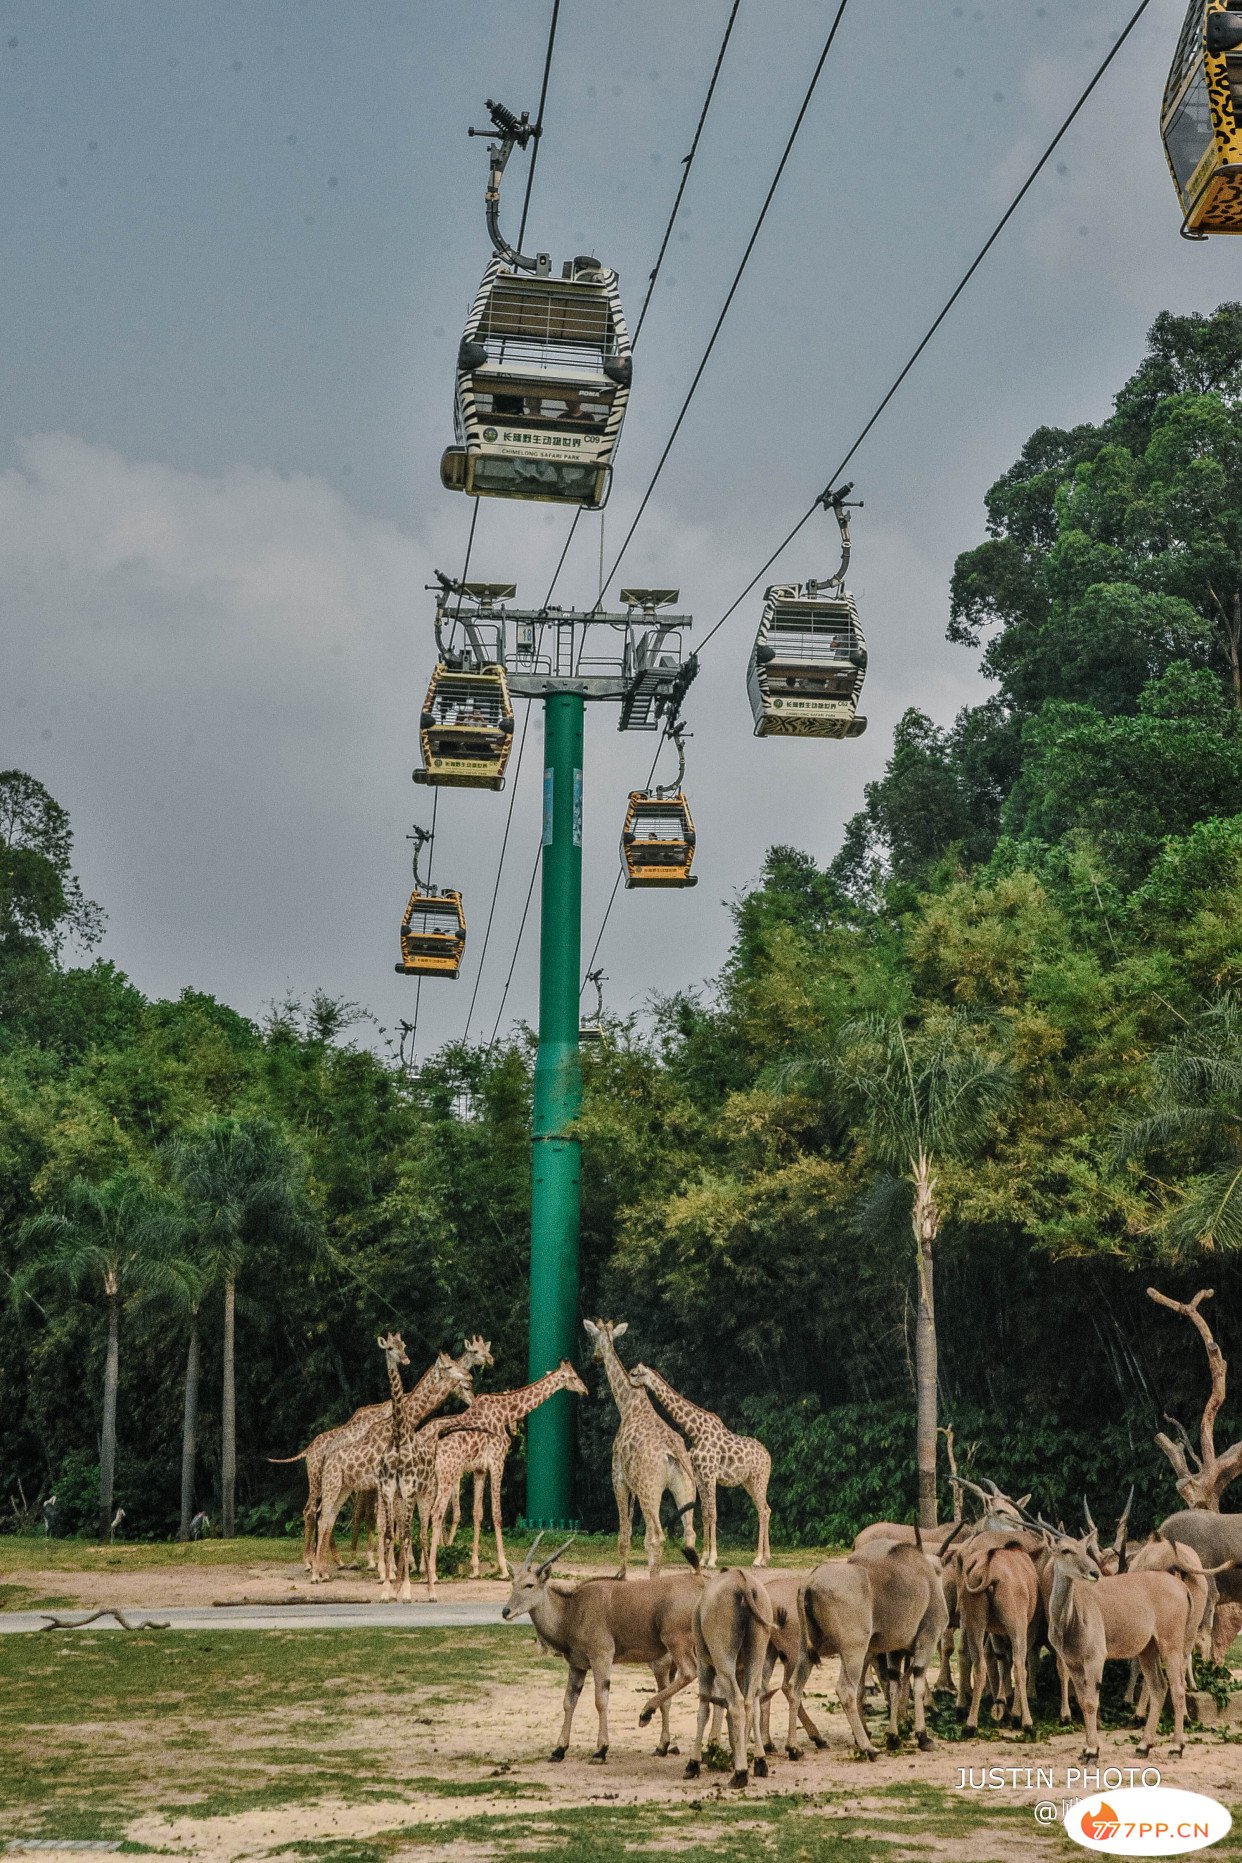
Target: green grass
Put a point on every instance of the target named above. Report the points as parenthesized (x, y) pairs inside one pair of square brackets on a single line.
[(99, 1730), (23, 1598), (34, 1552), (215, 1723), (798, 1828)]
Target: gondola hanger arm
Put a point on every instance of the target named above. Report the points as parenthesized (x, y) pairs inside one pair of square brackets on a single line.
[(514, 133), (678, 734), (420, 838), (840, 504)]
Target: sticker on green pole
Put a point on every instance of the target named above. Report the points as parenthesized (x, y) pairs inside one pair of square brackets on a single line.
[(548, 786), (577, 808)]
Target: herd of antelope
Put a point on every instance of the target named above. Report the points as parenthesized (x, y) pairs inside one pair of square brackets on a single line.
[(991, 1591)]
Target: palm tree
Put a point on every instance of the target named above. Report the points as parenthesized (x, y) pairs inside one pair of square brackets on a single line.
[(102, 1235), (244, 1184), (180, 1276), (920, 1097), (1194, 1111)]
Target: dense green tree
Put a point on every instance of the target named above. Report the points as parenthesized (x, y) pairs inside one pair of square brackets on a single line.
[(41, 901), (101, 1235), (921, 1098), (1193, 1118), (244, 1188), (179, 1278)]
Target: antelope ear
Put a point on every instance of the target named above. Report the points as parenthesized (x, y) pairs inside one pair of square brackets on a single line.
[(622, 1326)]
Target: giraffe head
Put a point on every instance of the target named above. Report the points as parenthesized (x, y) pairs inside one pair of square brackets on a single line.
[(572, 1381), (448, 1376), (603, 1333), (478, 1352), (393, 1347), (642, 1375)]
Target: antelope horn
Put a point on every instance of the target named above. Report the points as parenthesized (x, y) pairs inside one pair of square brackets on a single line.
[(1121, 1535), (972, 1487), (946, 1543), (530, 1555), (1091, 1526), (546, 1563)]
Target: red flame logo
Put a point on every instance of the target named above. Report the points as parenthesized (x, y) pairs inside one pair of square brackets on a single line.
[(1100, 1825)]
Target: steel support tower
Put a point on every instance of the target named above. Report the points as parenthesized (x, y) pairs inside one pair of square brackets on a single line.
[(566, 659)]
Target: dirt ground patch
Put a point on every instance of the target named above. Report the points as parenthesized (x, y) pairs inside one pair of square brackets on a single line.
[(370, 1746), (421, 1744)]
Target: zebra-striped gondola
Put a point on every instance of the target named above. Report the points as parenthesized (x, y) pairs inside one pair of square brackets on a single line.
[(543, 377)]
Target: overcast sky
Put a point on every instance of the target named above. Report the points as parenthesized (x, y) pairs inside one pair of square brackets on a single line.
[(239, 241)]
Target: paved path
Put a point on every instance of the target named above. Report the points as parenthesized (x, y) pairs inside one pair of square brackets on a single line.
[(278, 1617)]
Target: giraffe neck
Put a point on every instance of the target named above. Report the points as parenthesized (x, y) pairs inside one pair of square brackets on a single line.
[(618, 1378), (430, 1391), (679, 1408), (529, 1398), (398, 1401)]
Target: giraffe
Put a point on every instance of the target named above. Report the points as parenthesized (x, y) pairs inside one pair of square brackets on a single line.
[(716, 1455), (498, 1410), (407, 1477), (428, 1394), (351, 1466), (395, 1355), (647, 1456)]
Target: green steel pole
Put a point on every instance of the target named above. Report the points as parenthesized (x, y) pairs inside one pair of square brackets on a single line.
[(556, 1182)]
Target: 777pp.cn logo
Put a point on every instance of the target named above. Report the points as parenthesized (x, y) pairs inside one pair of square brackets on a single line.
[(1147, 1821)]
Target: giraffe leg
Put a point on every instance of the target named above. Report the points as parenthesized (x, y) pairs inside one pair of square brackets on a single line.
[(434, 1541), (477, 1479), (454, 1518), (757, 1488), (681, 1485), (494, 1475), (330, 1505), (310, 1530), (404, 1547), (625, 1506), (649, 1503), (383, 1528), (707, 1501), (388, 1512)]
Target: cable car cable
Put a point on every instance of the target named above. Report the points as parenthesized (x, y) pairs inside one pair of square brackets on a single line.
[(500, 867), (537, 126), (1131, 23), (687, 163), (956, 293), (431, 854), (616, 885), (686, 166), (517, 769), (750, 246), (517, 945)]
